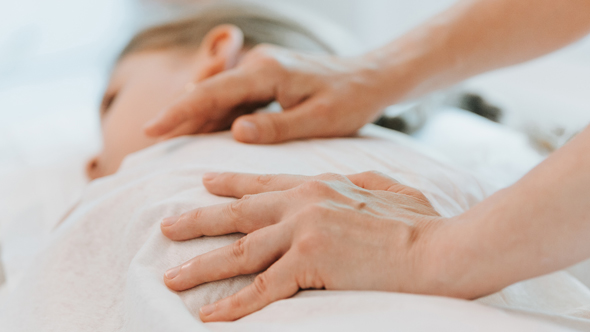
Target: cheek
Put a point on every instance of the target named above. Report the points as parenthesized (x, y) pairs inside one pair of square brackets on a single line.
[(138, 102), (122, 131), (118, 142), (122, 127)]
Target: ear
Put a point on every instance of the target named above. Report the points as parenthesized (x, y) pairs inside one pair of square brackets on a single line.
[(92, 168), (220, 50)]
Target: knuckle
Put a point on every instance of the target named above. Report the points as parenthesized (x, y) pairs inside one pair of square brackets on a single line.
[(307, 219), (195, 214), (396, 188), (246, 197), (235, 301), (410, 191), (228, 177), (333, 177), (311, 243), (264, 180), (239, 250), (419, 195), (269, 64), (316, 186), (233, 210), (261, 284), (302, 219), (266, 60), (374, 174), (323, 109)]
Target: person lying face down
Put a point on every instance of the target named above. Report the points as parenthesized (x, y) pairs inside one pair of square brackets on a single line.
[(162, 63)]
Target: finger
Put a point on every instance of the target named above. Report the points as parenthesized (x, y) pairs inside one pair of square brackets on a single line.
[(374, 180), (277, 283), (252, 253), (303, 121), (202, 125), (218, 94), (242, 216), (240, 184), (188, 127)]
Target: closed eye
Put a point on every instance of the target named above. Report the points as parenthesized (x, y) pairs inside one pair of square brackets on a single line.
[(107, 101)]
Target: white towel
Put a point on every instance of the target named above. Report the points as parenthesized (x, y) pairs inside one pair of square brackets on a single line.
[(102, 269)]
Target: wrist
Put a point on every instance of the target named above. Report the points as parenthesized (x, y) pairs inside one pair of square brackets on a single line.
[(452, 262), (413, 65), (478, 252)]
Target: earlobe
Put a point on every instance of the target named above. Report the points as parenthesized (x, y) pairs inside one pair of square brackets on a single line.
[(221, 48), (92, 168)]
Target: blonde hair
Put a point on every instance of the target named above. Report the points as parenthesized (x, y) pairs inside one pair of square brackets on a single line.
[(259, 25)]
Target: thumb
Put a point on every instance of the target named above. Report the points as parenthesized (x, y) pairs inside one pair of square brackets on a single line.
[(268, 128), (374, 180)]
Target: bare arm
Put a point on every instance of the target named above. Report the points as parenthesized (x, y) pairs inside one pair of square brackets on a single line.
[(327, 96), (539, 225), (542, 223), (476, 36), (388, 234), (368, 232)]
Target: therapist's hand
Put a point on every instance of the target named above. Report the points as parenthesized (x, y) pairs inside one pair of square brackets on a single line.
[(322, 96), (360, 232)]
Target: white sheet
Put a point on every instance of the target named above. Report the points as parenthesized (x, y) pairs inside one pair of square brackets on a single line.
[(494, 152), (102, 269)]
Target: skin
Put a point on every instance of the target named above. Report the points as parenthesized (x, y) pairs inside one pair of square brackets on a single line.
[(345, 227), (343, 94), (368, 232), (143, 83), (354, 233)]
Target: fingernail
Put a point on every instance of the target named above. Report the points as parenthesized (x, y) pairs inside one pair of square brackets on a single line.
[(172, 273), (170, 221), (209, 176), (208, 309), (249, 130)]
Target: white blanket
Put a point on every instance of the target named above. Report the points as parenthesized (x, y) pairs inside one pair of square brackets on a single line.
[(102, 269)]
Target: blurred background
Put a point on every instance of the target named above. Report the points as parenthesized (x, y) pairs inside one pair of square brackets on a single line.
[(55, 57)]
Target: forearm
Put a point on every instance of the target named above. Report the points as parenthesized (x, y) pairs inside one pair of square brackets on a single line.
[(539, 225), (477, 36)]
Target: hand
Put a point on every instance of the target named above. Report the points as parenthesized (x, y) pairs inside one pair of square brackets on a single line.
[(322, 96), (360, 232)]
